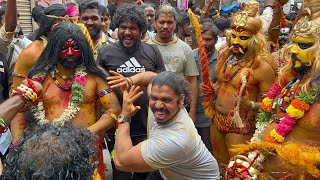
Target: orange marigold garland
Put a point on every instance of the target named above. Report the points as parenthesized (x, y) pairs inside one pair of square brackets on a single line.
[(208, 100), (295, 111)]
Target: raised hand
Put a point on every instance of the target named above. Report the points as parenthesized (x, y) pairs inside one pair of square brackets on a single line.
[(128, 108)]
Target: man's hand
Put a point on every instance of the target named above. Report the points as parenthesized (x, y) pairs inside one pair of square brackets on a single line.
[(205, 90), (128, 108), (38, 86), (118, 81)]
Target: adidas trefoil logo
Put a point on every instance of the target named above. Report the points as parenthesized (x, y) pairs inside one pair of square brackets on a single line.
[(131, 66)]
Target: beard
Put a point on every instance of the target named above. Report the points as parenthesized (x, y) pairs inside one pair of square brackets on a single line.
[(96, 32), (303, 68), (131, 49), (72, 65)]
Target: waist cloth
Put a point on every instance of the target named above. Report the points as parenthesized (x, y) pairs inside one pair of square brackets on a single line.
[(224, 125)]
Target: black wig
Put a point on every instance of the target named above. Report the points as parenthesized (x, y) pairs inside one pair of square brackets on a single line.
[(47, 22), (59, 35)]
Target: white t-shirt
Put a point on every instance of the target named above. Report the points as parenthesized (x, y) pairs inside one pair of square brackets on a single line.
[(178, 57), (176, 149)]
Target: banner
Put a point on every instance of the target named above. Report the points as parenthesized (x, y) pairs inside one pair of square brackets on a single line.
[(182, 4)]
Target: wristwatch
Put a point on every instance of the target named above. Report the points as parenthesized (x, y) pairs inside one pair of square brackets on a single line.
[(123, 118)]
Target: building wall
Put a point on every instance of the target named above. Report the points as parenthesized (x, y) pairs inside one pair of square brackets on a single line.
[(25, 19)]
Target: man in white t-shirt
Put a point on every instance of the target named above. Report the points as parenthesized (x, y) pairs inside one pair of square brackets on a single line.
[(173, 146)]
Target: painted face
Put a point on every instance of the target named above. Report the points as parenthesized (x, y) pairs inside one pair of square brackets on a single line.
[(165, 26), (164, 103), (92, 20), (209, 41), (70, 55), (150, 13), (129, 35), (302, 55), (240, 40), (70, 48)]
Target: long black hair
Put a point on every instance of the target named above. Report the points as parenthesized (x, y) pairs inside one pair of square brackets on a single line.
[(47, 22), (59, 35)]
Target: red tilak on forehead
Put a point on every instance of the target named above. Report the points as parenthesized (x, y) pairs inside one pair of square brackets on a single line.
[(240, 30)]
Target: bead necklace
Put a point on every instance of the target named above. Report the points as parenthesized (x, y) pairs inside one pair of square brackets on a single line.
[(234, 61), (227, 77), (55, 80), (286, 93), (63, 76)]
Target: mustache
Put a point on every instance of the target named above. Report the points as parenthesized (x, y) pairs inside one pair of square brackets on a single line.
[(70, 57), (241, 49)]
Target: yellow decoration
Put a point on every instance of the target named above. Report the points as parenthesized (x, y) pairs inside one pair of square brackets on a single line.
[(96, 175), (294, 112), (267, 101), (298, 155), (241, 19), (276, 136)]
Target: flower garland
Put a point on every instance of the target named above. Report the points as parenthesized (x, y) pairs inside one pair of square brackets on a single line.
[(263, 121), (295, 111), (74, 104)]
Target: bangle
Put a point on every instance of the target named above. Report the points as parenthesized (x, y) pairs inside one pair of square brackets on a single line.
[(131, 81), (253, 105)]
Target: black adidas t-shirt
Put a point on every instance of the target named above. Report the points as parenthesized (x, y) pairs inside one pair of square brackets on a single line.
[(147, 57)]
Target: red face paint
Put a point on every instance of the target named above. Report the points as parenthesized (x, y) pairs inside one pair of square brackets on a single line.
[(70, 48)]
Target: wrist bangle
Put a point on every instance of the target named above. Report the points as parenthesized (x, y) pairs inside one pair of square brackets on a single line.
[(131, 81), (253, 105)]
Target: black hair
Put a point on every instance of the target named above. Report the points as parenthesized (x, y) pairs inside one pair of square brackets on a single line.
[(148, 5), (47, 22), (91, 4), (37, 13), (59, 35), (176, 82), (50, 55), (104, 10), (207, 20), (182, 18), (212, 12), (210, 27), (130, 13), (52, 152), (222, 23)]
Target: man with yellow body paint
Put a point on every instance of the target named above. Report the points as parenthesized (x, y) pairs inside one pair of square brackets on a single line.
[(243, 75), (286, 141)]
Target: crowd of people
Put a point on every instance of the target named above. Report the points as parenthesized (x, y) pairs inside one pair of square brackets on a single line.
[(172, 94)]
